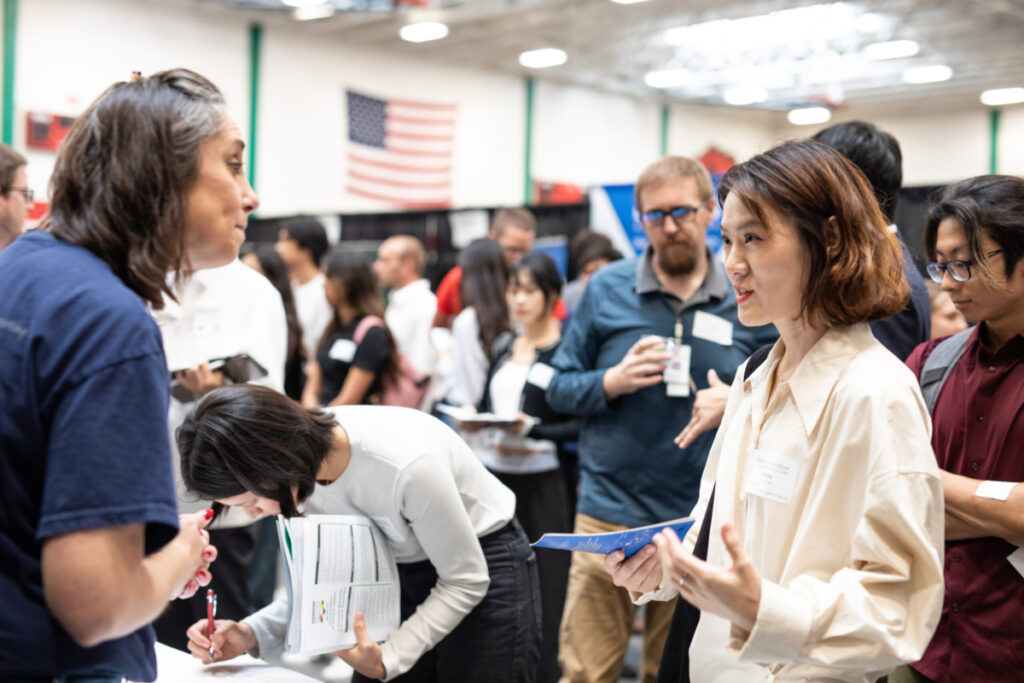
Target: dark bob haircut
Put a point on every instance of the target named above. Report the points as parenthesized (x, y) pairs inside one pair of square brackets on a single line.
[(542, 272), (855, 264), (120, 181), (247, 437), (990, 205)]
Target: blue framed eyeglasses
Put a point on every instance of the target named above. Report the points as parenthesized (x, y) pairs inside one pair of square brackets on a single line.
[(656, 219), (959, 270)]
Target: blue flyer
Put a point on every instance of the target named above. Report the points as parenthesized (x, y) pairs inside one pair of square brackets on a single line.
[(628, 540)]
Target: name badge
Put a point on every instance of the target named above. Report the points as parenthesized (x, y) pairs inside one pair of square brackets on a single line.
[(343, 350), (677, 372), (771, 476), (540, 375), (712, 328)]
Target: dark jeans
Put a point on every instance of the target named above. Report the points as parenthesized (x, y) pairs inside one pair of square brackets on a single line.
[(230, 582), (499, 640), (84, 676), (542, 506)]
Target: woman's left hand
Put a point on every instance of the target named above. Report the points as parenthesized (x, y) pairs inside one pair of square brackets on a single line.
[(732, 592), (365, 657)]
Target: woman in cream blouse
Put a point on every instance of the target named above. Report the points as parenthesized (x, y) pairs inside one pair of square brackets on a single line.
[(824, 558)]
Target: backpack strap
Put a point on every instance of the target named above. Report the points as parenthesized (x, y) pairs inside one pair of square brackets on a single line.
[(756, 359), (939, 364), (364, 326)]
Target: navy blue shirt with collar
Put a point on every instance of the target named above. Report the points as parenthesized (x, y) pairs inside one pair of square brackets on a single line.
[(902, 332), (631, 471), (84, 394)]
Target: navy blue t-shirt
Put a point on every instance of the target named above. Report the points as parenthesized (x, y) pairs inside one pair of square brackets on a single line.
[(83, 440)]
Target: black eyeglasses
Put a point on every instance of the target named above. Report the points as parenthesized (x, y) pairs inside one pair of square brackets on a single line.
[(656, 219), (29, 194), (959, 270)]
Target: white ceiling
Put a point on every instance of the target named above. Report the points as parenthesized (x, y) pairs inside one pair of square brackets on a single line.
[(808, 56)]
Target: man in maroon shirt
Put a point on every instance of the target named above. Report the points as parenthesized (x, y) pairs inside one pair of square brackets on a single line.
[(975, 235)]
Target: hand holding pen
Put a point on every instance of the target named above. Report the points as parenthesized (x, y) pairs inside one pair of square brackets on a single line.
[(211, 611)]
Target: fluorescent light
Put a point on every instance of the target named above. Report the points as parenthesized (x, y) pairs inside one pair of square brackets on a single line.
[(743, 95), (312, 12), (543, 58), (423, 31), (809, 115), (893, 49), (994, 98), (668, 78), (627, 2), (787, 27), (304, 3), (927, 74)]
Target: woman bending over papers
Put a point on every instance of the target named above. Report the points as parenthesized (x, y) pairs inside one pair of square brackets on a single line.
[(824, 559), (469, 593)]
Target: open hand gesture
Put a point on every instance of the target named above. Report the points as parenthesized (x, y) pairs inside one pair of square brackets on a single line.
[(732, 592)]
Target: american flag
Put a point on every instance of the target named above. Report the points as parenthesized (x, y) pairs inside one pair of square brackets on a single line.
[(400, 151)]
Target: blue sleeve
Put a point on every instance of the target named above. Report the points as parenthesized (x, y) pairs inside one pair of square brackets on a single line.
[(109, 459), (577, 387)]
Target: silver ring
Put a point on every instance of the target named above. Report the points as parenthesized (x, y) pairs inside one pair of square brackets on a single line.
[(681, 580)]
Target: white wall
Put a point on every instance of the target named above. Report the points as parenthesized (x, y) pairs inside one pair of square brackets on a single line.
[(303, 129), (71, 50)]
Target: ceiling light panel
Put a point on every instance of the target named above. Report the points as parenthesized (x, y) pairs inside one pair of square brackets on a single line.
[(933, 73), (807, 116), (543, 58), (423, 31), (892, 49), (1000, 96)]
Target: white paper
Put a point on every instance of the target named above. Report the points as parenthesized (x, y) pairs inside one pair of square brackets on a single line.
[(467, 226), (1016, 558), (346, 567), (677, 371), (712, 328), (771, 476), (466, 415), (175, 666), (996, 490), (540, 375), (343, 350)]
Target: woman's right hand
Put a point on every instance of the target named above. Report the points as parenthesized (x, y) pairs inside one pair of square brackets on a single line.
[(230, 639), (640, 573)]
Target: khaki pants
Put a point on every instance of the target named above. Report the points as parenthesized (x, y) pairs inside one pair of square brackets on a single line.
[(598, 619)]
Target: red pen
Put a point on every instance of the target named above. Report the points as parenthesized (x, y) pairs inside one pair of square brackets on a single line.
[(211, 611)]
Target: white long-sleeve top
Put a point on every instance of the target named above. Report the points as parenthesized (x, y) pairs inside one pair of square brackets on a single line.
[(835, 492), (428, 493)]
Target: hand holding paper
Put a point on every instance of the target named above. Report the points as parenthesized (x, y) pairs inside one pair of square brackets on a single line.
[(366, 656)]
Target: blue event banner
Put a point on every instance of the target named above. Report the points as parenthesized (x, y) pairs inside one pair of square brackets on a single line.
[(627, 540)]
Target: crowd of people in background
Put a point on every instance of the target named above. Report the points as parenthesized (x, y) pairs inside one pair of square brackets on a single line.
[(844, 431)]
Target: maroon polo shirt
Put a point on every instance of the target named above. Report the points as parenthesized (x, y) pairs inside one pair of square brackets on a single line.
[(978, 431)]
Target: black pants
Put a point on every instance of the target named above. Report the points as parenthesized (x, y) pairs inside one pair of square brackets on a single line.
[(542, 506), (498, 640), (230, 582)]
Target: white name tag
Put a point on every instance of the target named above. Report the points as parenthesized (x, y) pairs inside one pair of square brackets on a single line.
[(343, 350), (540, 375), (712, 328), (677, 371), (996, 490), (771, 476)]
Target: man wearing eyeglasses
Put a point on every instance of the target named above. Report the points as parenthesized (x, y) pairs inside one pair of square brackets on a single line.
[(671, 307), (972, 383), (15, 197)]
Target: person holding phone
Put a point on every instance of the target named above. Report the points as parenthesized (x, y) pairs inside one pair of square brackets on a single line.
[(824, 553), (149, 181), (469, 596)]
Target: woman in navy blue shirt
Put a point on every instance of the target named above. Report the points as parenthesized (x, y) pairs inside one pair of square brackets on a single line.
[(149, 180)]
